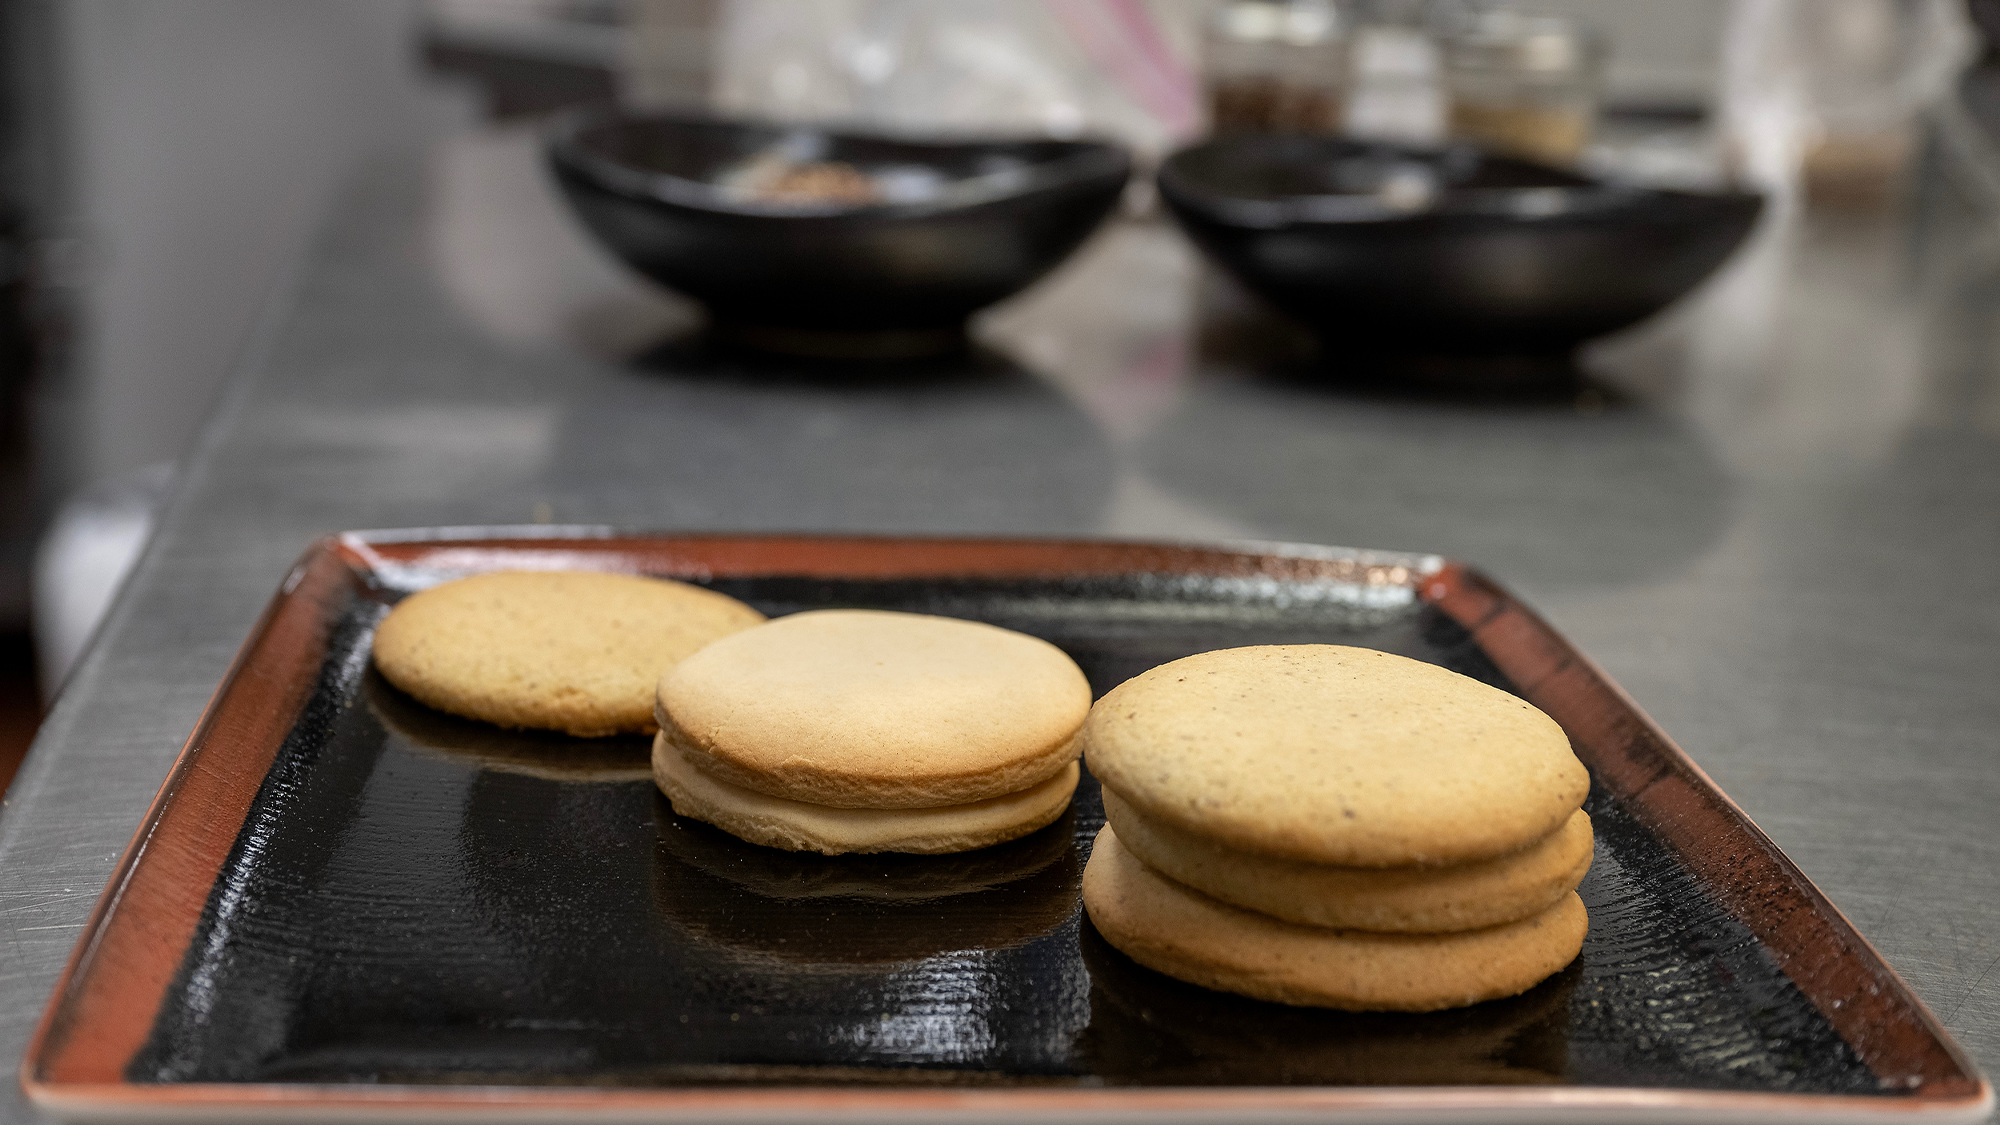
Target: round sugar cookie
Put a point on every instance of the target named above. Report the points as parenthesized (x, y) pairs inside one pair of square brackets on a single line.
[(1189, 936), (574, 651), (1422, 900), (1336, 755), (870, 709), (796, 826)]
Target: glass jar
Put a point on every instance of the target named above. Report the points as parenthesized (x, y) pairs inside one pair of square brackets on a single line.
[(1523, 85), (1276, 67)]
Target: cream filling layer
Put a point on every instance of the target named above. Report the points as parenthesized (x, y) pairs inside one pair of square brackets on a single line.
[(798, 826)]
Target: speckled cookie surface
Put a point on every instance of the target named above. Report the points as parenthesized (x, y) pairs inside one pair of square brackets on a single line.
[(573, 651), (1192, 937), (796, 826), (1466, 896), (880, 710), (1335, 755)]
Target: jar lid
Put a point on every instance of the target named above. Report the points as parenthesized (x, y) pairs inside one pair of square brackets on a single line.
[(1542, 46), (1301, 23)]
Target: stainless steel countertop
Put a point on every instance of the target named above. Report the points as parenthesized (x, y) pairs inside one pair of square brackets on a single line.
[(1774, 516)]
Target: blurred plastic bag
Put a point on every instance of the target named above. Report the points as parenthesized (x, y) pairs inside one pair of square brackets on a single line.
[(1822, 95), (1115, 68)]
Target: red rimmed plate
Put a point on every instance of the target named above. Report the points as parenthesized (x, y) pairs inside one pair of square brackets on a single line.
[(344, 905)]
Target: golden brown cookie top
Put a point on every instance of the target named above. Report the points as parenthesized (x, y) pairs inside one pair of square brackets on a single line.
[(1338, 755), (872, 709), (575, 651)]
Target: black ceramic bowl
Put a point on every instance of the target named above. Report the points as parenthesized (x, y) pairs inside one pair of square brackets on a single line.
[(1448, 251), (951, 226)]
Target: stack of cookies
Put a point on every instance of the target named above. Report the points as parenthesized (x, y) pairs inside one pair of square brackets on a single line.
[(1336, 827), (840, 731)]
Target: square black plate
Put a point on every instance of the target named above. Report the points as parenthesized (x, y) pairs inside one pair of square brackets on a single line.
[(343, 898)]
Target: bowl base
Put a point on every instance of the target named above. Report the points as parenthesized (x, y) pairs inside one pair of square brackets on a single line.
[(1516, 374), (842, 343)]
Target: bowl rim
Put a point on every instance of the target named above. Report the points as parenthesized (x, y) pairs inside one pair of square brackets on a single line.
[(1584, 199), (1085, 159)]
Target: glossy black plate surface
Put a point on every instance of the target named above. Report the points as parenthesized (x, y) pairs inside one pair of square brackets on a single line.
[(420, 899)]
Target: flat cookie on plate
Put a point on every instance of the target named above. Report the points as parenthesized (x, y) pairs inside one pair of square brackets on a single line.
[(574, 651)]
